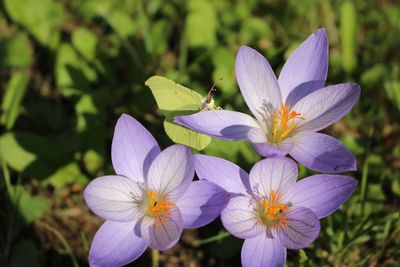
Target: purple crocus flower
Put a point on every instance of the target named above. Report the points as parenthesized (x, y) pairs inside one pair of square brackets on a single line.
[(289, 110), (269, 209), (150, 200)]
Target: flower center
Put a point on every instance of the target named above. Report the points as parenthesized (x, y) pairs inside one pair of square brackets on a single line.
[(159, 207), (284, 121), (271, 211)]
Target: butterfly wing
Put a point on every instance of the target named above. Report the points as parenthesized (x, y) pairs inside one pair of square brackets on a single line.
[(174, 100)]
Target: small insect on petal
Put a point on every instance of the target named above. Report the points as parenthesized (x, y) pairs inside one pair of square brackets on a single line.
[(208, 102)]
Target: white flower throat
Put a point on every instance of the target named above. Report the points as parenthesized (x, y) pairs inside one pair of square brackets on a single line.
[(279, 123)]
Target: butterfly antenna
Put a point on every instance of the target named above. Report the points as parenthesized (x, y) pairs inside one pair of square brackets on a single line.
[(213, 89)]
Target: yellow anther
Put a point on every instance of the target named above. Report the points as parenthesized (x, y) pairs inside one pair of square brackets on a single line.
[(159, 207), (284, 121), (272, 211)]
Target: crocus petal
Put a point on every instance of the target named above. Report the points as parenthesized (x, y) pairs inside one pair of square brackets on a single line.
[(322, 194), (223, 173), (162, 232), (171, 171), (301, 229), (223, 124), (260, 143), (201, 203), (326, 106), (240, 217), (262, 251), (270, 150), (323, 153), (133, 149), (257, 81), (115, 244), (276, 174), (303, 90), (114, 198), (309, 62)]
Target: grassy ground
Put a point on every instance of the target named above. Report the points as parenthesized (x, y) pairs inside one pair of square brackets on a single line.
[(68, 69)]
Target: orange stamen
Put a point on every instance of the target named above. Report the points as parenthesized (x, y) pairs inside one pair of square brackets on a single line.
[(159, 207), (284, 122), (271, 210)]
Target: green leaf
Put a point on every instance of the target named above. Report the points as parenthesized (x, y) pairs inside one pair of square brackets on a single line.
[(72, 73), (122, 23), (201, 24), (18, 51), (35, 155), (25, 208), (255, 29), (374, 76), (392, 14), (41, 18), (85, 108), (351, 143), (392, 89), (158, 36), (30, 208), (93, 161), (85, 42), (303, 256), (173, 100), (90, 109), (68, 174), (90, 123), (362, 239), (92, 8), (348, 32), (224, 62), (14, 154), (11, 104)]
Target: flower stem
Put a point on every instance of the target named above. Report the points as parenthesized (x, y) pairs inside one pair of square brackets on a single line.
[(155, 257), (221, 235), (364, 177)]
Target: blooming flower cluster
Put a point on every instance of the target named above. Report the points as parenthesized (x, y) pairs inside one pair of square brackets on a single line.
[(153, 196)]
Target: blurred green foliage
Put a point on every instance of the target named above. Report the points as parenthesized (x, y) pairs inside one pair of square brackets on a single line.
[(68, 69)]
